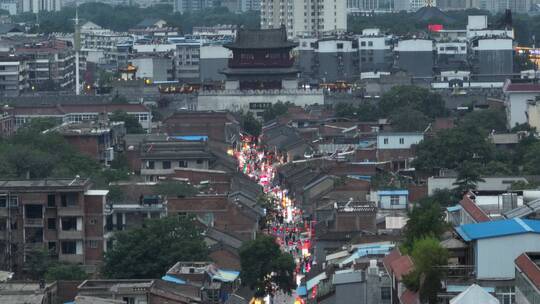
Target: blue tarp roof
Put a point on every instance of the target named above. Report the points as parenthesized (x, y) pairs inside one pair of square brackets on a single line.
[(362, 251), (301, 291), (461, 288), (172, 279), (393, 192), (453, 208), (191, 137), (498, 228)]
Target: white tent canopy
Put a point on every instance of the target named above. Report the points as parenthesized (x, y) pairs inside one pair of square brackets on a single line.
[(474, 295)]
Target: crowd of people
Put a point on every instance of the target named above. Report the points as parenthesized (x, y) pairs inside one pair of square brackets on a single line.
[(285, 220)]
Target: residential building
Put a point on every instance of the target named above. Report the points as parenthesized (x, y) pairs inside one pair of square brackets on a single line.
[(391, 199), (397, 147), (75, 113), (218, 126), (336, 60), (213, 59), (527, 278), (375, 50), (410, 5), (415, 56), (312, 18), (159, 158), (492, 58), (13, 76), (28, 292), (187, 61), (183, 6), (490, 185), (155, 68), (499, 242), (100, 46), (7, 124), (51, 64), (226, 213), (96, 139), (64, 216), (517, 97), (36, 6), (397, 266)]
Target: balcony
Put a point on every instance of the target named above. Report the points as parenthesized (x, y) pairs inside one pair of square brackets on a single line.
[(33, 222), (70, 234), (70, 211)]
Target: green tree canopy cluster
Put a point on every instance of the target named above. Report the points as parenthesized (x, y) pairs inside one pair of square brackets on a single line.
[(122, 18), (428, 256), (39, 265), (265, 267), (30, 153), (148, 252)]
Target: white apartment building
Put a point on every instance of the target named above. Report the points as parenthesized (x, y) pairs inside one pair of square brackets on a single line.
[(35, 6), (305, 18)]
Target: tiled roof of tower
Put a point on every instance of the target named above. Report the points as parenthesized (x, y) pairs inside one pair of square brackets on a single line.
[(261, 39)]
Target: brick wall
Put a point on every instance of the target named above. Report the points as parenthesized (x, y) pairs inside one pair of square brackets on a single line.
[(87, 145)]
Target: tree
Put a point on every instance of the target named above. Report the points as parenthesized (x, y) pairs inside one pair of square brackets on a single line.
[(426, 219), (65, 271), (264, 266), (469, 175), (420, 99), (452, 147), (486, 120), (531, 158), (275, 110), (407, 119), (131, 123), (149, 251), (250, 124), (36, 263), (428, 256)]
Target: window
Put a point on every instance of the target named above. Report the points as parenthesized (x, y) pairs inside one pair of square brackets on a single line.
[(166, 164), (128, 300), (394, 200), (385, 293), (362, 43), (3, 224), (385, 141), (51, 223), (200, 161), (51, 200), (340, 46), (69, 223), (69, 247), (182, 164), (401, 140), (150, 164), (3, 201), (370, 43), (92, 221), (92, 244), (69, 199)]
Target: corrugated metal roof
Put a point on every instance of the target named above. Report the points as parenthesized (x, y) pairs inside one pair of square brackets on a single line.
[(498, 228)]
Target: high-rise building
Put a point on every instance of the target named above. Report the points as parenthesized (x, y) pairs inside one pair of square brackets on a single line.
[(35, 6), (305, 18)]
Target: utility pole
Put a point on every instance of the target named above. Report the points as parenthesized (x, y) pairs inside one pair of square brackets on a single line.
[(77, 44)]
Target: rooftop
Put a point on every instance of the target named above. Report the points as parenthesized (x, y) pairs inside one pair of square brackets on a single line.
[(499, 228), (527, 87), (76, 182), (528, 264), (261, 39), (473, 210)]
